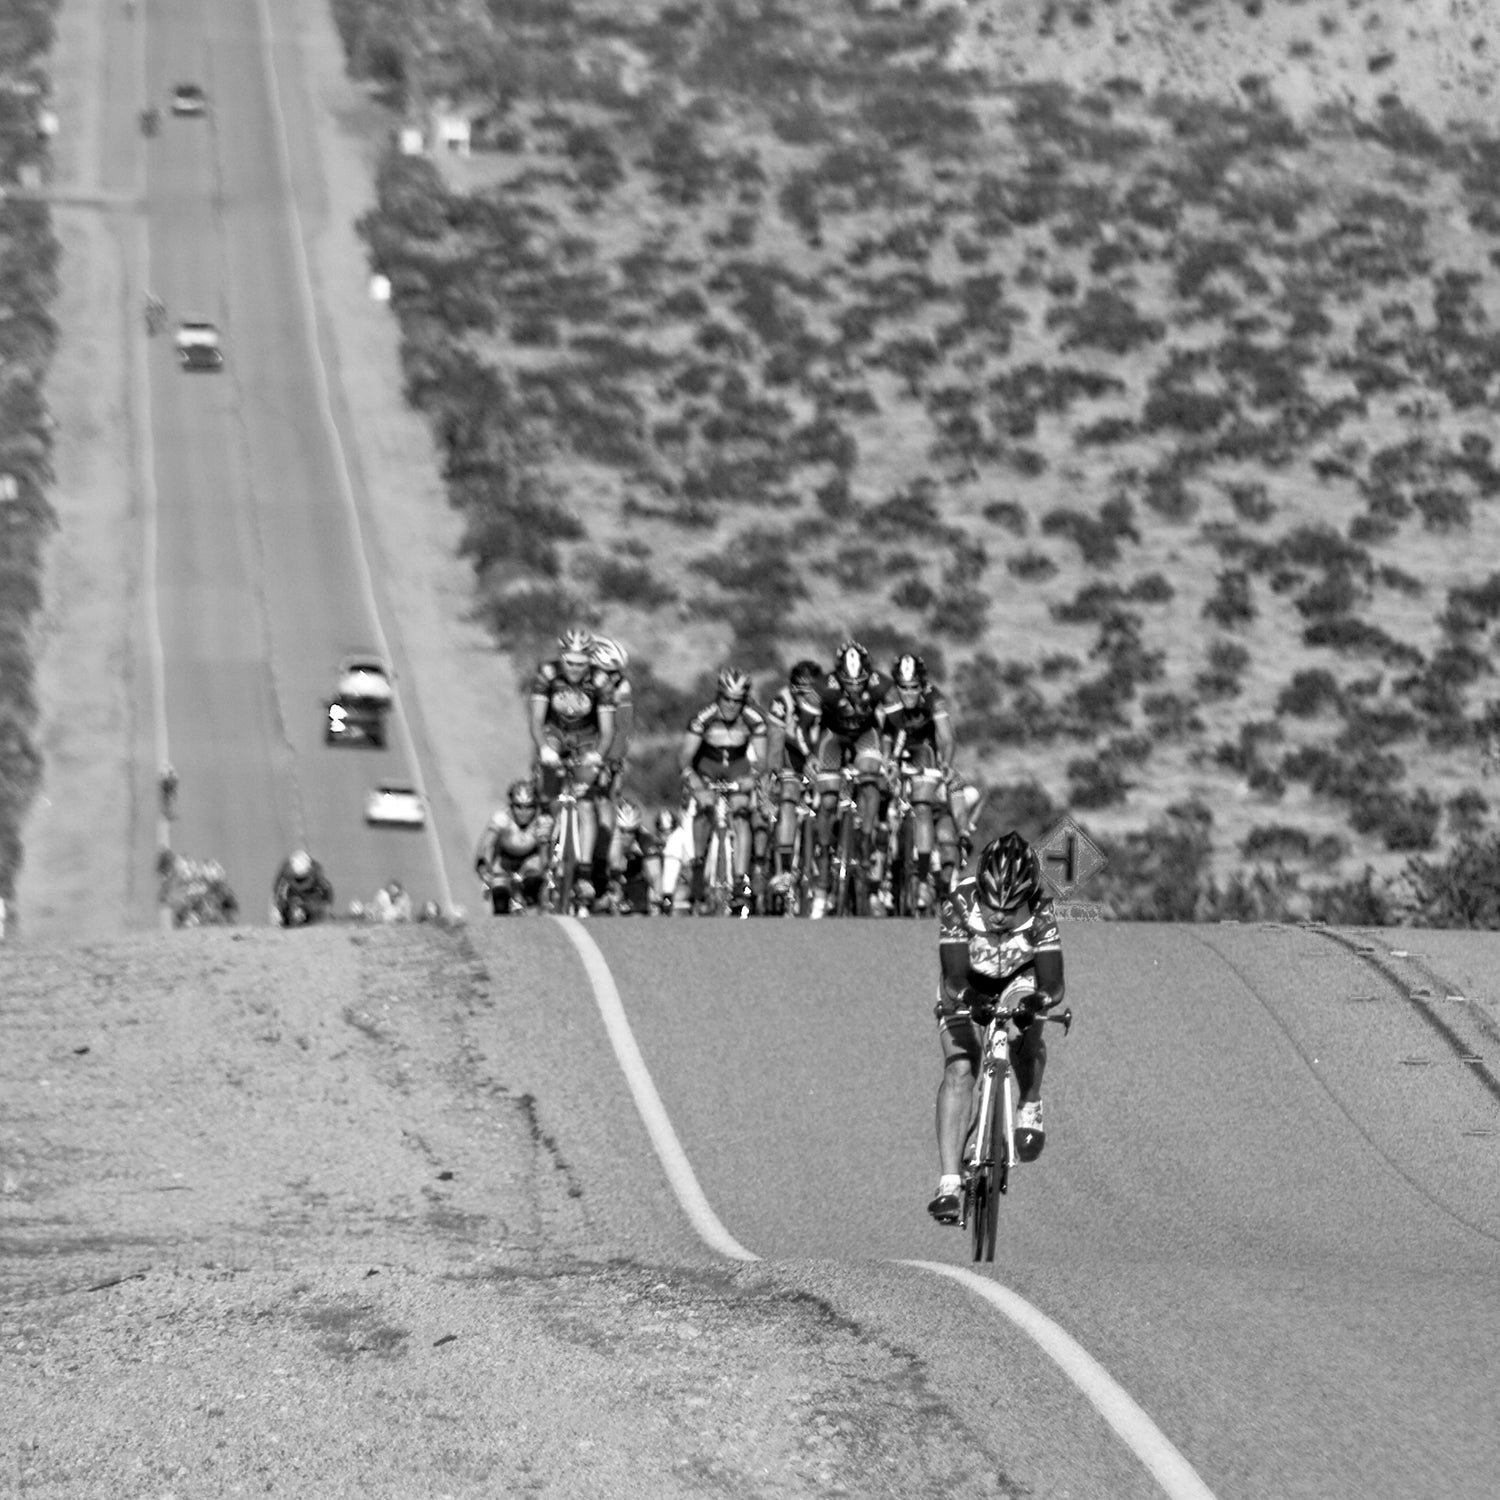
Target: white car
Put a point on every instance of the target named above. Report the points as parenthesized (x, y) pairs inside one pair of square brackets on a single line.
[(395, 804), (364, 679)]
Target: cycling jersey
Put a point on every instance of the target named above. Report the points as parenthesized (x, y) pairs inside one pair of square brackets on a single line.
[(506, 839), (852, 712), (999, 946), (723, 742), (572, 707), (624, 701), (918, 721), (796, 727)]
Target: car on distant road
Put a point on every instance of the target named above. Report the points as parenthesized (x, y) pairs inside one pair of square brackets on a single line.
[(189, 99), (361, 700), (395, 804), (198, 345)]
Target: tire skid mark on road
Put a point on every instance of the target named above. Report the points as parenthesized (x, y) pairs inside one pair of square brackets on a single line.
[(1403, 990), (1172, 1472)]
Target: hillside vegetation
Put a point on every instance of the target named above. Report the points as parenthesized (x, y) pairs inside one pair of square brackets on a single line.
[(1161, 423), (28, 286)]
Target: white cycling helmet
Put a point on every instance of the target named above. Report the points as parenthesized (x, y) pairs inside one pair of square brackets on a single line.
[(610, 654)]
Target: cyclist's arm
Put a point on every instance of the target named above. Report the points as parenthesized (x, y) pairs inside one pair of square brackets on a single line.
[(538, 719), (947, 741), (954, 958), (692, 742), (1049, 978), (606, 729)]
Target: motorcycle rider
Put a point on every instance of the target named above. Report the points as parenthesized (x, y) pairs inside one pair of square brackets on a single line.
[(511, 860), (300, 885)]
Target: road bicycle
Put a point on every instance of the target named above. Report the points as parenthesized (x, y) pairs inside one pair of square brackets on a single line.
[(796, 884), (721, 893), (848, 894), (990, 1147), (560, 888)]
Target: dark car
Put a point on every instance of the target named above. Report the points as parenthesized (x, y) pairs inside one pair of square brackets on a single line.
[(198, 346), (189, 99), (200, 357)]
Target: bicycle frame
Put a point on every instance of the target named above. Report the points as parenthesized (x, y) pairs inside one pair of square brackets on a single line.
[(990, 1148), (719, 857), (558, 893), (847, 876)]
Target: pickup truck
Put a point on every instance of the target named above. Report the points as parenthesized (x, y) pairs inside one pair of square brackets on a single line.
[(361, 700)]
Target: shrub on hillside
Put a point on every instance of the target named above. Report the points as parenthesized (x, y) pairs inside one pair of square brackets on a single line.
[(1227, 661), (1308, 693), (1231, 602)]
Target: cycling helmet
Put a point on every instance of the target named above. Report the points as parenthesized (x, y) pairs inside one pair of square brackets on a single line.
[(733, 684), (575, 648), (805, 674), (522, 796), (610, 655), (852, 665), (909, 671), (1008, 872), (300, 864), (627, 816)]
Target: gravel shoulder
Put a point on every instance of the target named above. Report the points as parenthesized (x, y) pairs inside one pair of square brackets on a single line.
[(275, 1218)]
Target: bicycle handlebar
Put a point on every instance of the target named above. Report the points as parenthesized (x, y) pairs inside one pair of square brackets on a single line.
[(1063, 1017)]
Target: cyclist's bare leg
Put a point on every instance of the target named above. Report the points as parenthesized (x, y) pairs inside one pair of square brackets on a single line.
[(1029, 1058), (740, 812), (955, 1094)]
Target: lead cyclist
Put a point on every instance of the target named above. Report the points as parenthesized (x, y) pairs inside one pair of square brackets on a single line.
[(999, 949)]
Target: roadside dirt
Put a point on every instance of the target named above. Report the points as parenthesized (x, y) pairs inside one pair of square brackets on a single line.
[(274, 1219)]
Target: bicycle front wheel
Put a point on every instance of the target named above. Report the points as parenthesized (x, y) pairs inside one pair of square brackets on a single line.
[(989, 1176)]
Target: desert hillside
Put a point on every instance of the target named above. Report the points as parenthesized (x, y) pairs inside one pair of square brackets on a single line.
[(1135, 363)]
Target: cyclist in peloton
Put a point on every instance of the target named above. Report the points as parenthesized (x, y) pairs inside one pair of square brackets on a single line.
[(634, 861), (611, 658), (573, 717), (999, 948), (511, 860), (850, 730), (916, 718), (793, 717), (301, 882), (724, 741)]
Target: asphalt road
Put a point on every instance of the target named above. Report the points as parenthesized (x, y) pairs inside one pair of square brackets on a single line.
[(1269, 1204), (261, 581)]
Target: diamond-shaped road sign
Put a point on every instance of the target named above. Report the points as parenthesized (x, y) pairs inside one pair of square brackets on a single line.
[(1068, 858)]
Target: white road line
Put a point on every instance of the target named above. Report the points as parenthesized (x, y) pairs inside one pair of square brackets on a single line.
[(647, 1101), (1176, 1476), (325, 411), (146, 478)]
